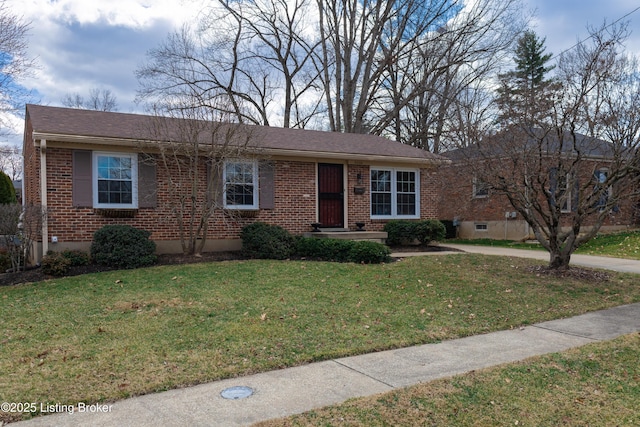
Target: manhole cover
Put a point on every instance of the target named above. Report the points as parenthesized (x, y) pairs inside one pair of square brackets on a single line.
[(237, 392)]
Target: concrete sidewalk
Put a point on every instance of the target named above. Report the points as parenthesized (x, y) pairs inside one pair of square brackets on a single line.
[(606, 263), (295, 390)]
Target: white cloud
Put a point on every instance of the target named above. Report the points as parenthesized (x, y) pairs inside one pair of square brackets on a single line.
[(128, 13)]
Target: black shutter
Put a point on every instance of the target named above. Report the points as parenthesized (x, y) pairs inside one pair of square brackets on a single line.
[(82, 191), (267, 185)]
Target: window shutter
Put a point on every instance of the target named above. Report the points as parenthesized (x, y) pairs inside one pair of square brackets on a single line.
[(215, 186), (147, 184), (82, 191), (267, 188)]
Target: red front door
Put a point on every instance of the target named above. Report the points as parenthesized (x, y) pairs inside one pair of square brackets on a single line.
[(330, 195)]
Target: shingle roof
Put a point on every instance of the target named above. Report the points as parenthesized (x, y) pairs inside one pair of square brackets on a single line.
[(76, 123)]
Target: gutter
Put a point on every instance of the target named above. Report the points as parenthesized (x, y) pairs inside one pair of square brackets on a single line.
[(43, 195), (309, 154)]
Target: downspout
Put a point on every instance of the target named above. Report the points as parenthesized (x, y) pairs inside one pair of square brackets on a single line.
[(43, 195)]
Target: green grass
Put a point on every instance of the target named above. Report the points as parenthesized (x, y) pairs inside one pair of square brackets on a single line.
[(594, 385), (617, 245), (112, 335)]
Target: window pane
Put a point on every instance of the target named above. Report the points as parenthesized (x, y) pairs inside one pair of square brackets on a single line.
[(406, 204), (380, 180), (381, 203), (239, 185)]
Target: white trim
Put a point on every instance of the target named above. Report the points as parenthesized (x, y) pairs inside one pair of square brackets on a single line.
[(255, 183), (134, 180), (394, 193)]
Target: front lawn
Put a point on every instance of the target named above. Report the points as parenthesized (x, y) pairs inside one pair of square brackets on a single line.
[(111, 335)]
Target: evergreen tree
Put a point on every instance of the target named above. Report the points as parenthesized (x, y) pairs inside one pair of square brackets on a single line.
[(525, 93), (7, 191), (531, 60)]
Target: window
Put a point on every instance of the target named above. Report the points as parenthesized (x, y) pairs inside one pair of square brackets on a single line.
[(240, 185), (481, 227), (480, 188), (395, 193), (600, 176), (115, 178)]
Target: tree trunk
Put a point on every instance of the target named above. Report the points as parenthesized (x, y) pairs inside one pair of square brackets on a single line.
[(559, 260)]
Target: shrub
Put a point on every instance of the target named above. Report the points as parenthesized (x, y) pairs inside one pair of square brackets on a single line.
[(324, 249), (399, 232), (429, 230), (5, 260), (76, 257), (339, 250), (260, 240), (369, 252), (55, 264), (122, 246), (403, 232)]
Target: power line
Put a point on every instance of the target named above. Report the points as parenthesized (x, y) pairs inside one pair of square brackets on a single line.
[(592, 35)]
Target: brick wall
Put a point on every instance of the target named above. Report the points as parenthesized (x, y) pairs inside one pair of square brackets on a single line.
[(456, 200), (294, 201)]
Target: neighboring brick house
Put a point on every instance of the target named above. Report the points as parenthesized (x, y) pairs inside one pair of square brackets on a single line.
[(480, 212), (301, 177)]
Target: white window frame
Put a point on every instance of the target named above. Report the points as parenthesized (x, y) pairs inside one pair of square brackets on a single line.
[(256, 192), (394, 193), (134, 180), (482, 227)]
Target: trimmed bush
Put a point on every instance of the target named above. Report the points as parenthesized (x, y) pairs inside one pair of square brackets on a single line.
[(364, 252), (123, 246), (338, 250), (405, 232), (55, 264), (76, 257), (324, 249), (264, 241)]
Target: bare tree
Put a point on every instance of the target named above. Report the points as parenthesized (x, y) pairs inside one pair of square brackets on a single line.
[(191, 153), (11, 161), (387, 62), (14, 62), (252, 60), (575, 165), (350, 65), (99, 100)]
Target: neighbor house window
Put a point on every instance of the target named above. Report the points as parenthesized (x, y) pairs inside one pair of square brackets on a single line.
[(480, 188), (115, 177), (395, 193), (240, 185), (481, 226), (600, 177)]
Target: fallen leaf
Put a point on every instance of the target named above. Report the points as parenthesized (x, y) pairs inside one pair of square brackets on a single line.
[(263, 317)]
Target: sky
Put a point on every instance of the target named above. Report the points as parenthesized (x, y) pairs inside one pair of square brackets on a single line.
[(82, 45)]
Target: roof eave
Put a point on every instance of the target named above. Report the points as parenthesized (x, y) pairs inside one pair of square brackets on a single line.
[(369, 158)]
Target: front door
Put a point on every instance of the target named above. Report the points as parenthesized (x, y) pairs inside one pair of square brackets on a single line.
[(330, 195)]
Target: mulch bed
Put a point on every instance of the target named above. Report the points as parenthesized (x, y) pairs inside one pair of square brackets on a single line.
[(36, 274)]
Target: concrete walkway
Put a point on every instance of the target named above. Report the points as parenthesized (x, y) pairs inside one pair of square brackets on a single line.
[(295, 390), (606, 263)]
